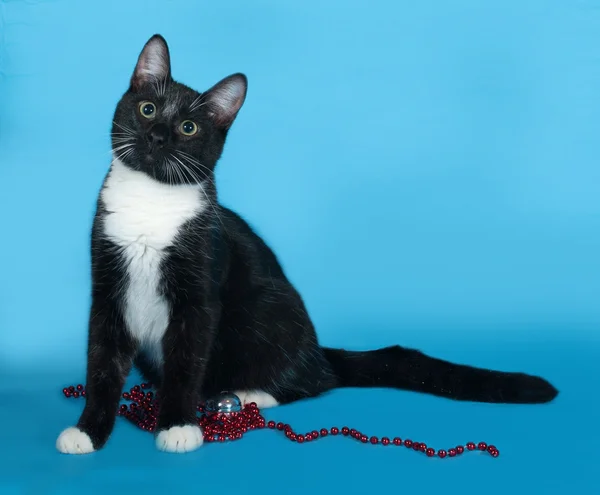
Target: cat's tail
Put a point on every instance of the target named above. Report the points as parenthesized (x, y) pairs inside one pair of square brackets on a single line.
[(408, 369)]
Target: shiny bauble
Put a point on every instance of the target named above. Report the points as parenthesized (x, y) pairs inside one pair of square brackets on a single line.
[(224, 403)]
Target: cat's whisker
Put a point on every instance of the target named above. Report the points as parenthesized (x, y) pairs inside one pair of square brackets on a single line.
[(207, 178), (195, 176), (186, 172), (198, 166), (160, 85), (178, 171), (124, 128), (193, 160), (123, 155), (198, 102), (199, 181), (201, 104), (169, 170), (123, 140), (123, 147), (154, 82)]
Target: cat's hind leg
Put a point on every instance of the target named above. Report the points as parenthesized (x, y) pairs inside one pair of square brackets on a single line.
[(262, 399)]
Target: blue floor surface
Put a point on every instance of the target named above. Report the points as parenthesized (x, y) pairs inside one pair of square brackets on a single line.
[(544, 449)]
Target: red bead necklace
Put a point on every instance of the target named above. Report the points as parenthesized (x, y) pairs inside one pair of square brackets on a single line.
[(221, 427)]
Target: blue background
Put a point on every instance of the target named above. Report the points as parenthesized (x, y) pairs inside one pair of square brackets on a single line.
[(426, 171)]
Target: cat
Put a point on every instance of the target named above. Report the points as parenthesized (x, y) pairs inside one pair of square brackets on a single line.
[(186, 291)]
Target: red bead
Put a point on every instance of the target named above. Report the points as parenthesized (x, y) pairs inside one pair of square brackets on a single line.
[(442, 453), (65, 391), (68, 393), (345, 431), (83, 393), (452, 452), (293, 437), (422, 447), (385, 441), (416, 446), (397, 441), (80, 387), (315, 434), (300, 438), (334, 431), (407, 443), (352, 432), (280, 426), (470, 446), (364, 438), (460, 449), (271, 424), (430, 452), (324, 432), (482, 446), (308, 437), (374, 440), (76, 395), (71, 389), (125, 395), (493, 451)]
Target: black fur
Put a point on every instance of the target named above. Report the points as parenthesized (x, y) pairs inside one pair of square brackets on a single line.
[(236, 321)]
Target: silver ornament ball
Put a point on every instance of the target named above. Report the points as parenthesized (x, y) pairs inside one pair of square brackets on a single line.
[(224, 403)]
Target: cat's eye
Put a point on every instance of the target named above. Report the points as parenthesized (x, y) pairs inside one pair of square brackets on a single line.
[(188, 128), (147, 109)]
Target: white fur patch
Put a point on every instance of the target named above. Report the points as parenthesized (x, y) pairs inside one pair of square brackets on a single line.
[(74, 441), (180, 439), (262, 399), (144, 217)]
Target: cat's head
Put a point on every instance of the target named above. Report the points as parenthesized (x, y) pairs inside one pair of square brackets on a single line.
[(166, 129)]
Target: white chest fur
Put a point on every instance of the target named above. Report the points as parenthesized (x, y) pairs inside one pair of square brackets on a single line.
[(144, 217)]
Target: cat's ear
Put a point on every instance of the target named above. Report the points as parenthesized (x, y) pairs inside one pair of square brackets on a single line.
[(226, 98), (154, 63)]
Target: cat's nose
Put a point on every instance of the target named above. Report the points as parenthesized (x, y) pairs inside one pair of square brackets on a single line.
[(158, 136)]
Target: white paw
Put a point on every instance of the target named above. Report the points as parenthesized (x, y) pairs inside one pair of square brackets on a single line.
[(74, 441), (260, 398), (179, 439)]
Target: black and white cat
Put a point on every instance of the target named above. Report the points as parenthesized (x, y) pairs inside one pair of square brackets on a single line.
[(186, 291)]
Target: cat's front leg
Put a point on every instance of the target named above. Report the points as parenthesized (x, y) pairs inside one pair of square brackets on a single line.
[(110, 355), (186, 347)]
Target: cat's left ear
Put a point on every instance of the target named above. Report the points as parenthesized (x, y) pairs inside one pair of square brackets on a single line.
[(226, 98), (154, 63)]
